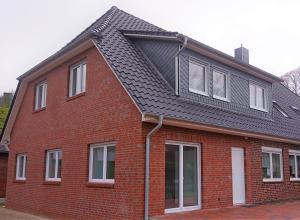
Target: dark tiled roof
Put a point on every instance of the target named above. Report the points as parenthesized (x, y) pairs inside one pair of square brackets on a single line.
[(154, 96)]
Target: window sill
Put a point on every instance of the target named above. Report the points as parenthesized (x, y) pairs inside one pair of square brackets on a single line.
[(198, 92), (295, 179), (47, 182), (221, 98), (39, 110), (19, 181), (100, 185), (70, 98), (273, 180), (259, 109)]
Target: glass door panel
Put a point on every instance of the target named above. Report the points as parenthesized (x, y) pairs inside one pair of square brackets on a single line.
[(190, 176), (171, 176)]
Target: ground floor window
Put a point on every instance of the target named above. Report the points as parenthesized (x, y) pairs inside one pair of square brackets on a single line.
[(21, 167), (182, 185), (53, 165), (294, 164), (102, 163), (272, 164)]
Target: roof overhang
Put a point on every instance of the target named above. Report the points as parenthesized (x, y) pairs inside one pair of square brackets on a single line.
[(216, 129), (45, 66)]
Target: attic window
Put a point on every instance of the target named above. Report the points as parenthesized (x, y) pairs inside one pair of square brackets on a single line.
[(258, 97), (278, 108), (198, 78)]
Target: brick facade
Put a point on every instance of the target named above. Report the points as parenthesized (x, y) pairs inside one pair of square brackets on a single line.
[(3, 173), (216, 174), (106, 113)]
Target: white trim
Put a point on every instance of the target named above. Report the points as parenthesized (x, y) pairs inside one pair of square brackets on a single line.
[(23, 176), (181, 208), (80, 78), (55, 178), (295, 153), (206, 76), (42, 85), (104, 179), (265, 97), (291, 151), (271, 151), (227, 82)]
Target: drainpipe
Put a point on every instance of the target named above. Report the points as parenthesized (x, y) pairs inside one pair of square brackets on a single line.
[(177, 64), (148, 139)]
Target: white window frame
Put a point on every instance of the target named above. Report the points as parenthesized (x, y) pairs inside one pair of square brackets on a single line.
[(81, 79), (271, 151), (23, 175), (265, 97), (181, 207), (104, 146), (206, 83), (295, 153), (44, 95), (227, 79), (47, 178)]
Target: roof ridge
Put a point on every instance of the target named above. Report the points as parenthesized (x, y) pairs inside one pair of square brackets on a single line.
[(109, 15), (105, 15)]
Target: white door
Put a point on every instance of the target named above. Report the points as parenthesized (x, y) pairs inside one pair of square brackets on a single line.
[(238, 176)]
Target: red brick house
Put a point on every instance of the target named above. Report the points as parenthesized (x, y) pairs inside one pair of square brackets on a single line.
[(129, 121)]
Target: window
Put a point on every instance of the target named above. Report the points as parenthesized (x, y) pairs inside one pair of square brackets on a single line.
[(198, 78), (257, 97), (53, 165), (40, 95), (77, 79), (220, 85), (102, 163), (21, 167), (272, 164), (294, 164)]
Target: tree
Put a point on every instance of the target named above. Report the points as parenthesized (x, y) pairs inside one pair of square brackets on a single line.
[(3, 115), (292, 80)]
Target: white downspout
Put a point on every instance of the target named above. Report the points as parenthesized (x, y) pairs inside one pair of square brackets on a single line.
[(147, 167)]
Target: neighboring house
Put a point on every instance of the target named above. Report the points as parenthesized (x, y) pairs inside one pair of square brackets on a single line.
[(3, 170), (217, 131)]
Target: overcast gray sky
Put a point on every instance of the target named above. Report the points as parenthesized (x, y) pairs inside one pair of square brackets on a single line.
[(32, 30)]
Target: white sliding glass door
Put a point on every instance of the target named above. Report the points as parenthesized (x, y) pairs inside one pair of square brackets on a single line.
[(182, 177)]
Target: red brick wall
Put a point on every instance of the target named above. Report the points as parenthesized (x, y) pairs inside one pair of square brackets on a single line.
[(216, 174), (264, 192), (105, 113), (3, 174)]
